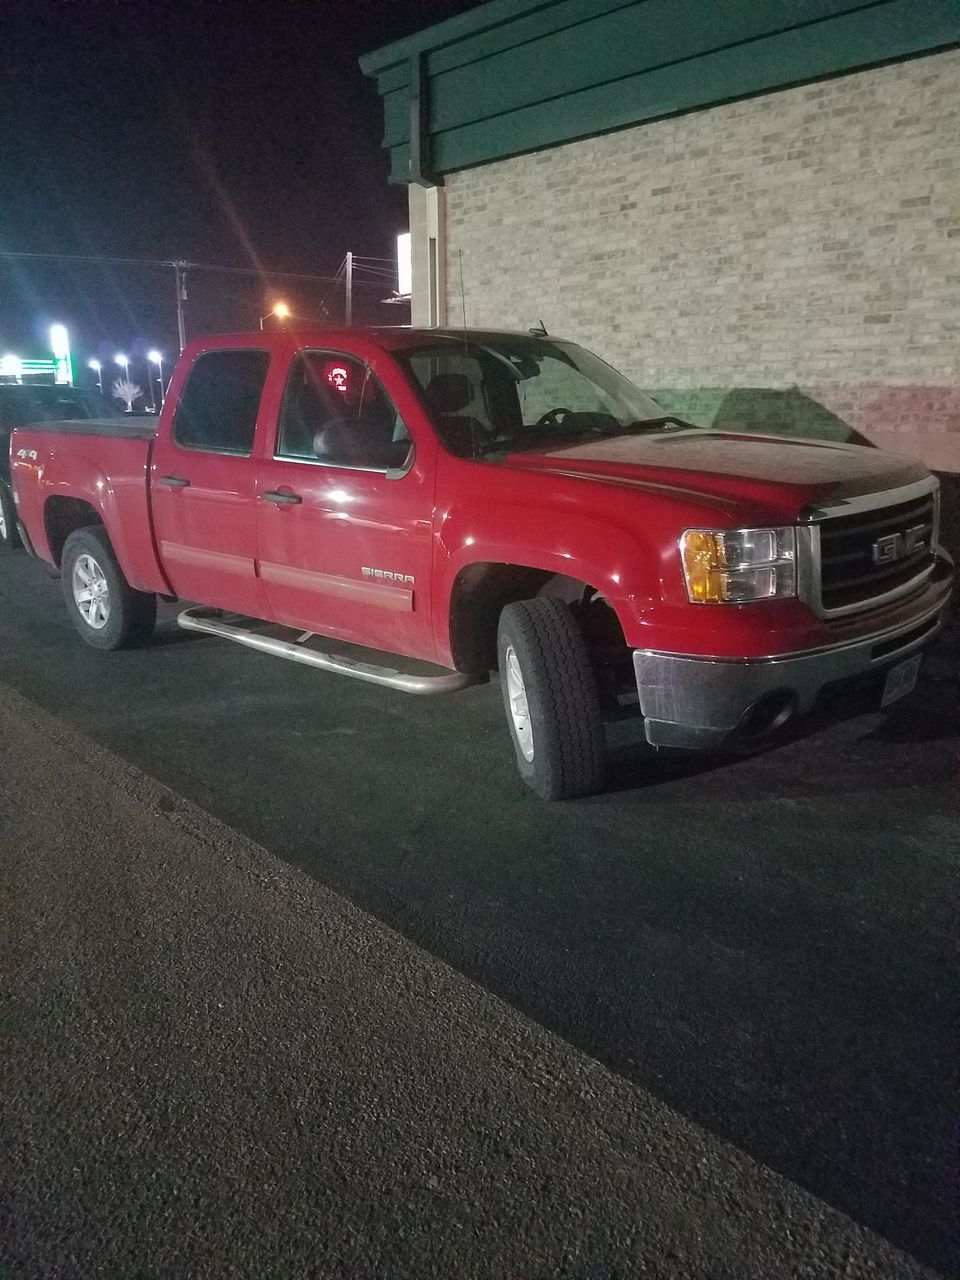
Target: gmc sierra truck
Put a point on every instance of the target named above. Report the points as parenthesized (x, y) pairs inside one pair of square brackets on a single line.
[(475, 501)]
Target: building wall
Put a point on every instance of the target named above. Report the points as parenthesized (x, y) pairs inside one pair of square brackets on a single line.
[(788, 262)]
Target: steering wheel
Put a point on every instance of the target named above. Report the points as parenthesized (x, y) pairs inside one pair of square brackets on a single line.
[(553, 417)]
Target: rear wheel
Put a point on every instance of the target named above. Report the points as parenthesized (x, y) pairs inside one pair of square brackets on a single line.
[(105, 609), (9, 537), (551, 700)]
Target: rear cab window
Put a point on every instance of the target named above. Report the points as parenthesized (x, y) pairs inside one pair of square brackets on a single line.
[(218, 407)]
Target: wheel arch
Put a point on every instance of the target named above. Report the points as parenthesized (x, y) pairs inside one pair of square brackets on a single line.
[(481, 590), (63, 516)]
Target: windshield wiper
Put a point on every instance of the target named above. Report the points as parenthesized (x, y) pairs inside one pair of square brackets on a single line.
[(529, 440)]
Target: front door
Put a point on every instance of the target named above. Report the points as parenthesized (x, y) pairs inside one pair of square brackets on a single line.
[(345, 510), (203, 483)]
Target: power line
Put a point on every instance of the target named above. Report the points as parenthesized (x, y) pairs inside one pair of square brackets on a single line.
[(180, 267), (328, 295), (377, 271), (183, 264)]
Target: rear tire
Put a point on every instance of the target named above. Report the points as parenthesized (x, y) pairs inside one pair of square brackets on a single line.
[(105, 609), (551, 700), (9, 537)]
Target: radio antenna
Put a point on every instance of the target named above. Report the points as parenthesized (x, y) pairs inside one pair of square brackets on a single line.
[(474, 444), (463, 298)]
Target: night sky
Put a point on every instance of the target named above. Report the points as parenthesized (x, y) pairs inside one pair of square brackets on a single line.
[(240, 133)]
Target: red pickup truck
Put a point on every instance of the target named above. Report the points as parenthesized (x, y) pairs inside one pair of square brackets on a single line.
[(478, 500)]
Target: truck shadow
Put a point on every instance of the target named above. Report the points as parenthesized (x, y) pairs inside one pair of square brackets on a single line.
[(790, 412), (168, 634)]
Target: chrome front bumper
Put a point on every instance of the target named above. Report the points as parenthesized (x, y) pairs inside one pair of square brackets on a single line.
[(701, 703)]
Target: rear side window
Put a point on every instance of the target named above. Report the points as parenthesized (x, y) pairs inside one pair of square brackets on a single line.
[(218, 406)]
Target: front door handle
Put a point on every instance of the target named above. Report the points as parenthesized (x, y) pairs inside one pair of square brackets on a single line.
[(291, 499), (175, 482)]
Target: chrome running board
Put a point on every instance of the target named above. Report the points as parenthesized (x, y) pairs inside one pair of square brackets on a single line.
[(209, 622)]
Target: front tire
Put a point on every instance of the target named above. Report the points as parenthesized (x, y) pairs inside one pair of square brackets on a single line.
[(105, 609), (9, 537), (551, 700)]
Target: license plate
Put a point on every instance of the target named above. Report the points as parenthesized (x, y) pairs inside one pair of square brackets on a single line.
[(900, 680)]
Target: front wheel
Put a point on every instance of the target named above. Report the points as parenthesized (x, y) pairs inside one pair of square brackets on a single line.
[(9, 537), (105, 609), (551, 700)]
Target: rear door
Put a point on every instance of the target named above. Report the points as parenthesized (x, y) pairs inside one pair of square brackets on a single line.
[(346, 506), (203, 482)]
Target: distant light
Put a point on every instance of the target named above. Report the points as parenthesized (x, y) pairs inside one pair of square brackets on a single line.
[(60, 346), (119, 359), (95, 365), (404, 265), (281, 311), (155, 357), (11, 366)]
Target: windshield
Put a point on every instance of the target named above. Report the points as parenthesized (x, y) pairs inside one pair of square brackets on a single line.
[(21, 405), (497, 394)]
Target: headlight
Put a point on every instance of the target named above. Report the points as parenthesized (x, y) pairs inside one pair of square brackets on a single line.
[(734, 566)]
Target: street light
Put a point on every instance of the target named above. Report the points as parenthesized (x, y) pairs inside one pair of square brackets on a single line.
[(281, 311), (156, 358), (97, 368), (125, 361)]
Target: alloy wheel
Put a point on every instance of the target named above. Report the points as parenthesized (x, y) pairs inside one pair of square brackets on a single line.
[(519, 708), (91, 592)]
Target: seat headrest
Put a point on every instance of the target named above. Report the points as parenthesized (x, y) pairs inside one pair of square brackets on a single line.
[(448, 392), (349, 442)]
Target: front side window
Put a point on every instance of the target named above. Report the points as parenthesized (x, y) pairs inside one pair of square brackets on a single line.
[(218, 406), (503, 393), (336, 411)]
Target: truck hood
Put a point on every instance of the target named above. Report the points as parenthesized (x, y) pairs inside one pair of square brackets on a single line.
[(735, 469)]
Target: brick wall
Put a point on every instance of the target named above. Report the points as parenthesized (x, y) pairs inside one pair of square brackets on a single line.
[(794, 258)]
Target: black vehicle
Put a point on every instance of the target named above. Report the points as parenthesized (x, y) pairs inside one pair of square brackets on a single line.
[(21, 405)]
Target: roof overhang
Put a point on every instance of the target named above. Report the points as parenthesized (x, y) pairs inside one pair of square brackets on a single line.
[(514, 76)]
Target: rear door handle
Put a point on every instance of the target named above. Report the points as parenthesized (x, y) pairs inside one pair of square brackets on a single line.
[(175, 482), (291, 499)]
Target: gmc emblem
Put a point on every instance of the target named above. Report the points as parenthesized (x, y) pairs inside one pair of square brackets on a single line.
[(894, 546)]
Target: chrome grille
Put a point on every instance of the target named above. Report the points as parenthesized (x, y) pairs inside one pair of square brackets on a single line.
[(875, 553)]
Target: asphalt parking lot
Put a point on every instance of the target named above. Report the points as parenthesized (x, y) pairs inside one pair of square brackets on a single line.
[(765, 945)]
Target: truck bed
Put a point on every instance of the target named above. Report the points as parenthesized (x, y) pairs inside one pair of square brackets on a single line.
[(102, 463)]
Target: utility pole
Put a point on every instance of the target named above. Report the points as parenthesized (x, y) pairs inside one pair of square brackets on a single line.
[(180, 270), (348, 309)]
